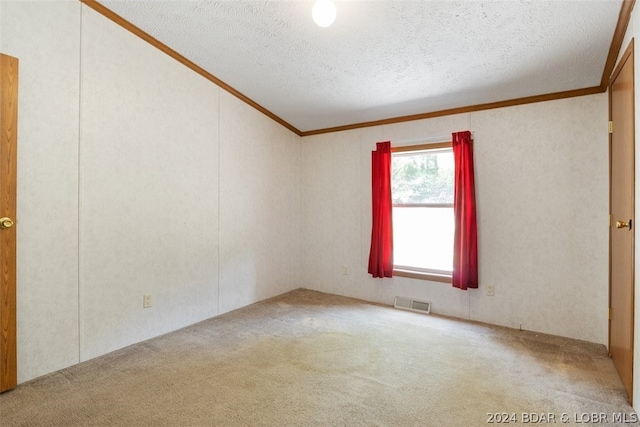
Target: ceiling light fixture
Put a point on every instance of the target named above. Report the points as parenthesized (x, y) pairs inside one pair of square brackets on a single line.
[(323, 12)]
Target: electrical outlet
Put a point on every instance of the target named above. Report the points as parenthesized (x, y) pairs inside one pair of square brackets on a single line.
[(490, 290), (345, 270), (146, 301)]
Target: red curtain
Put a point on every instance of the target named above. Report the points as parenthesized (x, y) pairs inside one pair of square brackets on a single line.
[(381, 253), (465, 246)]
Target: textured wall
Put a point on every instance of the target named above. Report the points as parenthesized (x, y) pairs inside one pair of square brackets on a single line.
[(136, 176), (259, 206), (149, 190), (542, 209), (542, 176), (44, 37)]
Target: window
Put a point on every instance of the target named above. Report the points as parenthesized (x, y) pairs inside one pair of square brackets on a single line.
[(422, 180)]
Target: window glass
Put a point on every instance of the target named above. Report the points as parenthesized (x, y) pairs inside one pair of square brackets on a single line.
[(422, 177), (423, 220)]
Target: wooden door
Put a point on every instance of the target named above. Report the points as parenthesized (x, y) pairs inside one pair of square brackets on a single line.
[(622, 220), (8, 160)]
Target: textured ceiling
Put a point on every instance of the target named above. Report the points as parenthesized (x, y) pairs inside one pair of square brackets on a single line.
[(384, 59)]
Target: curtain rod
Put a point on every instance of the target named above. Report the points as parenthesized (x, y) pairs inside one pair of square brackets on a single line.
[(446, 138), (427, 140)]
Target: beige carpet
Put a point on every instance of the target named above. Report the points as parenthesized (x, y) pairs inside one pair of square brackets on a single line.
[(312, 359)]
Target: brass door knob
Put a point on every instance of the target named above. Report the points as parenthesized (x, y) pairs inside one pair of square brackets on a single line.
[(623, 224), (6, 222)]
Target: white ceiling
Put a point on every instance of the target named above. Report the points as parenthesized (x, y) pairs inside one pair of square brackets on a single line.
[(384, 58)]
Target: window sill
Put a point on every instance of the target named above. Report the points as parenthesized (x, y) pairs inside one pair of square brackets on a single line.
[(444, 278)]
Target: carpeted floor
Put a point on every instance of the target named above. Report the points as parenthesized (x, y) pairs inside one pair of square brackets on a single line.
[(312, 359)]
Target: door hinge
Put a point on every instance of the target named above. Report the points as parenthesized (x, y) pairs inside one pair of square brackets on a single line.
[(610, 126), (610, 313)]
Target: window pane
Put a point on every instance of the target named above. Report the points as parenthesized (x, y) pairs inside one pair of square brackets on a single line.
[(423, 238), (424, 177)]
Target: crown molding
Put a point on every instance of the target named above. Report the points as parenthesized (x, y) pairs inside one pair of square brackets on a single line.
[(616, 42), (460, 110)]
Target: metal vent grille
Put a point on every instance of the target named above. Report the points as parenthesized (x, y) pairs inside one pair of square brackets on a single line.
[(412, 305)]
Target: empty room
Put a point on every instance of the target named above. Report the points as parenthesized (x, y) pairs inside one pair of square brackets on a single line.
[(318, 213)]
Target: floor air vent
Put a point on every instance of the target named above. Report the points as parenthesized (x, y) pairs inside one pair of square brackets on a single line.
[(412, 305)]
